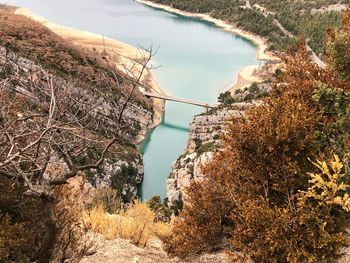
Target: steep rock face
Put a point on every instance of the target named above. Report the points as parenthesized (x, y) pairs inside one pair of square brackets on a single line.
[(136, 118), (204, 140), (121, 171)]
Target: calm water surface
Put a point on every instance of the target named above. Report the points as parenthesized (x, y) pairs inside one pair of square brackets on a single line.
[(198, 61)]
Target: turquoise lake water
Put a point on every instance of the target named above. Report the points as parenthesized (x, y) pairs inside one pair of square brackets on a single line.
[(197, 61)]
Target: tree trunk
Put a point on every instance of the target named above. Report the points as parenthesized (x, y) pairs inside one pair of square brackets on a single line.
[(49, 239)]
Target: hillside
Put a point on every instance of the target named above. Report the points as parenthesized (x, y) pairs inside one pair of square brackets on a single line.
[(310, 19), (67, 111), (36, 48)]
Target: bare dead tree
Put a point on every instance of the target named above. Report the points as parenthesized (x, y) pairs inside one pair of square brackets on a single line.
[(49, 127)]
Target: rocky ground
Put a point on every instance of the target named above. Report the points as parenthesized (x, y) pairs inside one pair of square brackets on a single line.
[(346, 257), (122, 251)]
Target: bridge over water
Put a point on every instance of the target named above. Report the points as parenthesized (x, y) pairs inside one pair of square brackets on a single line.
[(181, 100)]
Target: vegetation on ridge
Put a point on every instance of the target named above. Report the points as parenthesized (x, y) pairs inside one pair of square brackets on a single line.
[(301, 18)]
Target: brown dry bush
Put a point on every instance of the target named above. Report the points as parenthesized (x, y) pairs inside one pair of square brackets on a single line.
[(22, 223), (136, 223), (11, 240), (72, 241), (199, 227)]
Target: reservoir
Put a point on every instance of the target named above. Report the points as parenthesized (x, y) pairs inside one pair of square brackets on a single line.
[(196, 60)]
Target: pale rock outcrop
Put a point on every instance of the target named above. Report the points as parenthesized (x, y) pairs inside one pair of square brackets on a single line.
[(204, 139)]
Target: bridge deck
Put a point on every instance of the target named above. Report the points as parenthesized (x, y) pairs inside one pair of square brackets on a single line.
[(187, 101)]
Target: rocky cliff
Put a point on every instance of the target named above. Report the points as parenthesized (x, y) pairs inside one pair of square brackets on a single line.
[(122, 170), (204, 138)]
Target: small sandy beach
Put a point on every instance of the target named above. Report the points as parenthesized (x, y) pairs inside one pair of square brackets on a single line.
[(93, 41), (245, 77)]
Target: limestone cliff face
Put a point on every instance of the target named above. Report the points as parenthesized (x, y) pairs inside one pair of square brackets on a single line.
[(122, 171), (204, 140)]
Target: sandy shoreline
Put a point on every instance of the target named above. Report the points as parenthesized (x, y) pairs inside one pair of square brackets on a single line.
[(100, 43), (261, 43), (245, 76)]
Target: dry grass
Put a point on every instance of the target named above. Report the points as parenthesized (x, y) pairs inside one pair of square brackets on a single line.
[(136, 224)]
